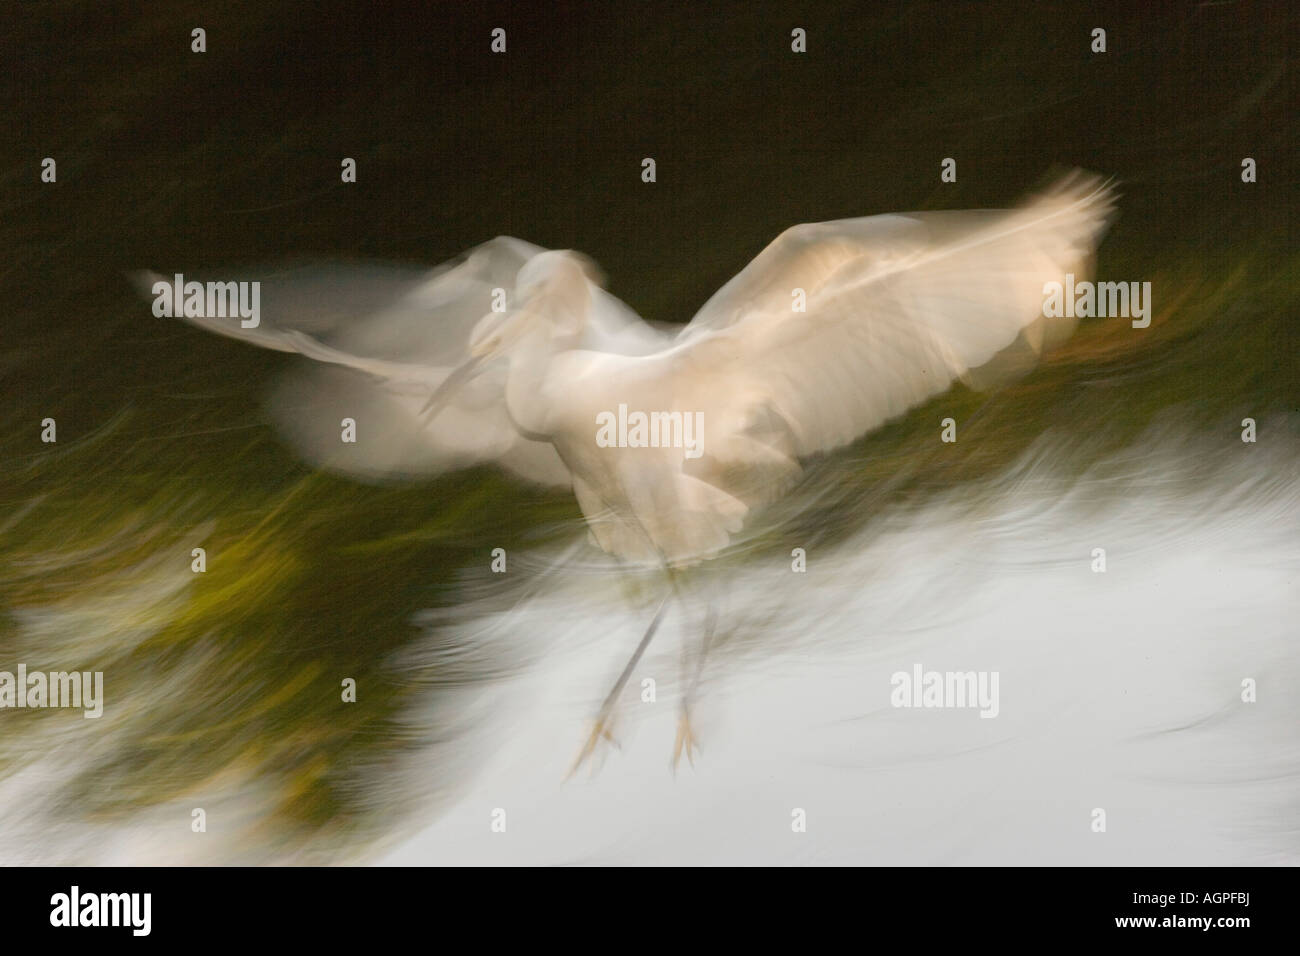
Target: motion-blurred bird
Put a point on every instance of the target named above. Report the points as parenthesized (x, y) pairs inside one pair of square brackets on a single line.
[(834, 329)]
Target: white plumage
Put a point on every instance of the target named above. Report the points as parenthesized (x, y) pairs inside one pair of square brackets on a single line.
[(896, 308)]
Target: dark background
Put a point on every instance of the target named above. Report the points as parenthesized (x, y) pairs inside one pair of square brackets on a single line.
[(170, 158)]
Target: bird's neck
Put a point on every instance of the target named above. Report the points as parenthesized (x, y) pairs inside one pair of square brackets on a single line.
[(527, 400)]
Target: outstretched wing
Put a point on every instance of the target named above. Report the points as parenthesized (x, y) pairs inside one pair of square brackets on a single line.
[(895, 309), (385, 338)]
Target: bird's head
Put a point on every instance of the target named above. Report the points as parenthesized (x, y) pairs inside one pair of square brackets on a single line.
[(496, 333), (552, 298)]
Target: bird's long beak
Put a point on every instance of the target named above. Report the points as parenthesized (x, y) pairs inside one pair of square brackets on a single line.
[(444, 392)]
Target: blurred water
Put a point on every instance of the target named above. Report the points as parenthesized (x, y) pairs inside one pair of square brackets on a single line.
[(1118, 690)]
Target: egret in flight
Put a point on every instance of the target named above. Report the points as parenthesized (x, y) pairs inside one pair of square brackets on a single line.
[(668, 438)]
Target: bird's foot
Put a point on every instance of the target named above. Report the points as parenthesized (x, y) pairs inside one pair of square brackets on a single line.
[(600, 730), (685, 742)]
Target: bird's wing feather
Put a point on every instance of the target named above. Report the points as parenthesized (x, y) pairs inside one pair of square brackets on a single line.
[(897, 309), (385, 338)]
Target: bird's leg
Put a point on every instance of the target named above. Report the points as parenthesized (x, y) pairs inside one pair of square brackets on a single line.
[(603, 718), (686, 742)]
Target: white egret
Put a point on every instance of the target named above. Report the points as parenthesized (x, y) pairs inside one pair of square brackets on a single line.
[(834, 329)]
